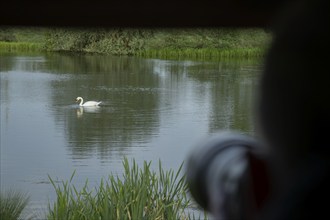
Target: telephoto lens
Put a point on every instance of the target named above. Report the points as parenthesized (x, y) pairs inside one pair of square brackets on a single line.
[(219, 175)]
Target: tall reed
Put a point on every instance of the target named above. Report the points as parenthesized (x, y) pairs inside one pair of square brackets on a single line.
[(139, 194), (12, 204)]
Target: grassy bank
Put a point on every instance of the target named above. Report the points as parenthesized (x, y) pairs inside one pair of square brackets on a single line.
[(157, 43)]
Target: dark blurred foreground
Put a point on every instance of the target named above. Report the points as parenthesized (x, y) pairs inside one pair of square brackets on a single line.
[(291, 178)]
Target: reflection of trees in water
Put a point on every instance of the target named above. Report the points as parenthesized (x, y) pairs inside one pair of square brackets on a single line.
[(232, 86), (127, 87), (27, 62), (7, 62), (133, 90), (136, 94)]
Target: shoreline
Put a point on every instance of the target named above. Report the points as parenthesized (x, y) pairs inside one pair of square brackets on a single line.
[(177, 43)]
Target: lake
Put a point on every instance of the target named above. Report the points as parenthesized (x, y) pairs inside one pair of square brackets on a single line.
[(151, 110)]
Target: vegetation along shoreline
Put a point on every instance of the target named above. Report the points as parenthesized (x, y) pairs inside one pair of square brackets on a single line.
[(199, 43)]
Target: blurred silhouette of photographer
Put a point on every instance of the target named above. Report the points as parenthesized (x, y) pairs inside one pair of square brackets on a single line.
[(292, 181), (294, 111)]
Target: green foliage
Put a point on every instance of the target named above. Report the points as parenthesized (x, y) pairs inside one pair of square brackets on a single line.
[(22, 34), (139, 194), (211, 38), (159, 43), (7, 35), (12, 204), (155, 42), (114, 41)]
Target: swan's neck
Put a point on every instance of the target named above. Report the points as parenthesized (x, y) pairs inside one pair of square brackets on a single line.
[(81, 102)]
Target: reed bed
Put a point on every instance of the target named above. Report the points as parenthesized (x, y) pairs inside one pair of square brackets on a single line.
[(203, 54), (20, 46), (12, 204), (139, 194)]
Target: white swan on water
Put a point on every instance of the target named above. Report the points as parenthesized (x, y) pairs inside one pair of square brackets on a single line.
[(88, 103)]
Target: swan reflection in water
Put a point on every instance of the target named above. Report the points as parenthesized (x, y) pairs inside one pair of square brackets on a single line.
[(90, 109)]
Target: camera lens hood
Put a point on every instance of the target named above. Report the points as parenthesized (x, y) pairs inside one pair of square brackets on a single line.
[(201, 159)]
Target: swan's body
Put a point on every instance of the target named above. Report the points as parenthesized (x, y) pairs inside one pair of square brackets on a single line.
[(88, 103)]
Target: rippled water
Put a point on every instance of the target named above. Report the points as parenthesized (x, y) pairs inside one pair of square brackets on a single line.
[(152, 110)]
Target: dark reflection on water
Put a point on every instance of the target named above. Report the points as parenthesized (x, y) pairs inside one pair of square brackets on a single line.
[(151, 110)]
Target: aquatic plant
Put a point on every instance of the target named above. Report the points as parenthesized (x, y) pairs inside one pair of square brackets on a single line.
[(139, 194), (12, 203)]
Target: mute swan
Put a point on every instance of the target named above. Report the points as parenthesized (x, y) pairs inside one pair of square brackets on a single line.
[(88, 103)]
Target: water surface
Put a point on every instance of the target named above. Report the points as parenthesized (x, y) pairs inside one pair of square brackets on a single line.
[(152, 110)]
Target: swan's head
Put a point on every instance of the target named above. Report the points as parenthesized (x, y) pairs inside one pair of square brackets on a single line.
[(79, 99)]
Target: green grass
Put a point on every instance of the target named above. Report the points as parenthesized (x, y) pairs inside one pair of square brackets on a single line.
[(139, 194), (20, 46), (203, 54), (12, 204)]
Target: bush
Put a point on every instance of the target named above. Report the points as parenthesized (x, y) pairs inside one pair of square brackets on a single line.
[(7, 35)]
